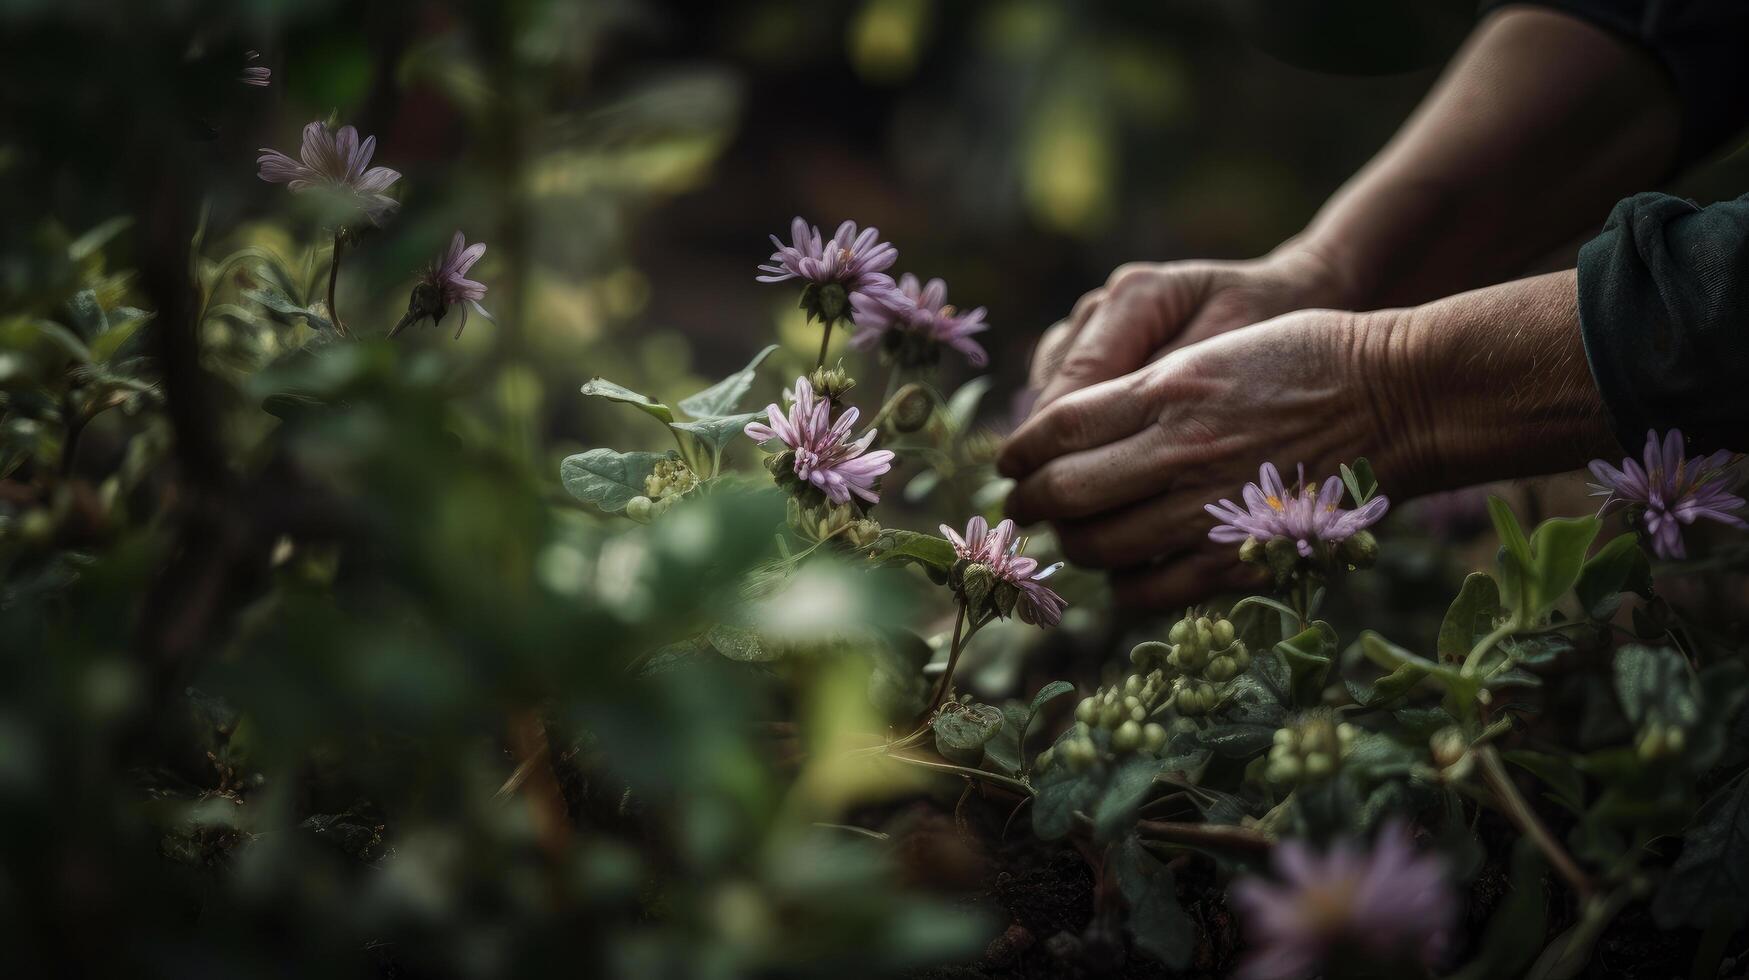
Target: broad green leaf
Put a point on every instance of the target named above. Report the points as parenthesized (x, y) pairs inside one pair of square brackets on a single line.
[(608, 479), (723, 397), (962, 407), (1063, 791), (1162, 929), (1460, 689), (1507, 527), (1710, 878), (1557, 554), (603, 388), (1050, 692), (702, 441), (1004, 751), (124, 326), (739, 643), (1238, 741), (1384, 690), (1619, 566), (1471, 613), (88, 244), (962, 729), (1308, 656), (87, 314), (929, 550), (1115, 813), (278, 302), (1654, 685)]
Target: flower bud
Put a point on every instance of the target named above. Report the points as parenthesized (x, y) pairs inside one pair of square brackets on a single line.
[(1361, 550), (832, 383), (669, 477), (1079, 753), (1111, 715), (912, 409), (1087, 712), (1223, 632), (825, 301), (1153, 738), (640, 509), (1252, 552), (977, 581), (1127, 737)]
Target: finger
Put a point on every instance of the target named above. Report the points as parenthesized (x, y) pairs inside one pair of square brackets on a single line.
[(1092, 481), (1135, 535), (1185, 581), (1121, 332), (1081, 420), (1054, 346)]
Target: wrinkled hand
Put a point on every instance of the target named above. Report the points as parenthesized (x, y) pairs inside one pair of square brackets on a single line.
[(1149, 309), (1123, 468)]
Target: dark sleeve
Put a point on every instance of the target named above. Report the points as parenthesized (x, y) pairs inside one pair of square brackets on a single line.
[(1702, 44), (1664, 309)]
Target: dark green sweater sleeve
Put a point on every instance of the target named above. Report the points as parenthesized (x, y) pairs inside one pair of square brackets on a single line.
[(1664, 309)]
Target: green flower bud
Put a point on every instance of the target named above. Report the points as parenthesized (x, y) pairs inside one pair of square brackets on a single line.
[(640, 509), (833, 383), (1223, 631), (977, 582), (1180, 631), (1127, 737), (1252, 552), (1087, 712), (913, 408), (1111, 715), (1361, 550), (669, 478), (1079, 753), (1153, 738), (826, 301), (1043, 761), (1132, 685)]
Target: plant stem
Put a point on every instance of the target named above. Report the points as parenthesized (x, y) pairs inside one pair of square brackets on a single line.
[(333, 278), (1519, 811), (825, 340), (1204, 834), (953, 658), (942, 765)]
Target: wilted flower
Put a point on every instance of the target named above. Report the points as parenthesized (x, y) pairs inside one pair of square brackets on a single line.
[(836, 270), (823, 453), (1387, 905), (998, 551), (336, 161), (917, 328), (1303, 516), (253, 74), (1673, 489), (445, 284)]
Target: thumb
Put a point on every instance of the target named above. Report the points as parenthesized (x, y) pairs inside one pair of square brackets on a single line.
[(1143, 309)]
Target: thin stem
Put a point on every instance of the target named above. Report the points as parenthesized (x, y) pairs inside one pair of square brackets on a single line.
[(942, 765), (76, 422), (1204, 834), (1519, 811), (891, 403), (953, 658), (333, 278), (825, 340)]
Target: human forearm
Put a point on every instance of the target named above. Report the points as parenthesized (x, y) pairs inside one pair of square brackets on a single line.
[(1539, 125), (1485, 385)]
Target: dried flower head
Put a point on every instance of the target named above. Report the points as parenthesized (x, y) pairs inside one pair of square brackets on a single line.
[(913, 332), (336, 161), (1305, 516), (1015, 582), (836, 270), (822, 453), (1387, 905), (1671, 490)]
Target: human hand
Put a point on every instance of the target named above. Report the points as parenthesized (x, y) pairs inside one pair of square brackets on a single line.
[(1122, 468), (1147, 309)]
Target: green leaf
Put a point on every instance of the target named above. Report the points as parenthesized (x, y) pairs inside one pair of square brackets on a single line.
[(603, 388), (739, 643), (608, 479), (1619, 566), (278, 302), (1062, 791), (962, 407), (1308, 656), (1710, 878), (1388, 688), (1239, 741), (1050, 692), (1654, 685), (88, 244), (929, 550), (723, 397), (1470, 614), (1460, 689), (1557, 550), (1360, 481), (712, 435), (1161, 928), (1115, 813), (1004, 751), (962, 729), (87, 314)]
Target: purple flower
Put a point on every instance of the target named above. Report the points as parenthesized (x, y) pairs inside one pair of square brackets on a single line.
[(998, 550), (924, 316), (852, 263), (448, 277), (1673, 490), (825, 455), (1386, 904), (254, 74), (1303, 516), (337, 162)]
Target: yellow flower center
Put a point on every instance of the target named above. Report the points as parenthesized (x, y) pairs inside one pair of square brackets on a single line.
[(1273, 501)]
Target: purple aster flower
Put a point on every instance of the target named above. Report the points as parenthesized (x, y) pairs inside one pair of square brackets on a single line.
[(998, 550), (836, 270), (1673, 490), (1387, 905), (253, 74), (924, 319), (338, 162), (1305, 516), (446, 284), (825, 454)]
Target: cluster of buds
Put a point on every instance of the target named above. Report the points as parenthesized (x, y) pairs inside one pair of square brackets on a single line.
[(1310, 750), (1201, 654), (1123, 711), (826, 521), (832, 383), (668, 481), (1283, 558), (1657, 740)]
